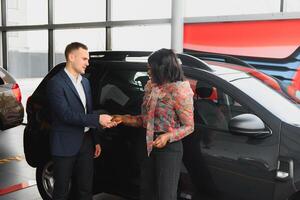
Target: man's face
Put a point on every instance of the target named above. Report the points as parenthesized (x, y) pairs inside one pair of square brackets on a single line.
[(79, 60)]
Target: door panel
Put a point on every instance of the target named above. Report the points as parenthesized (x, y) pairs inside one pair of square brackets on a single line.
[(123, 148), (37, 130), (239, 167)]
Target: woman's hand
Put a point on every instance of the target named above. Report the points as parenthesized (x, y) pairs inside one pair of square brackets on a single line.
[(127, 120), (97, 151), (162, 140), (117, 119)]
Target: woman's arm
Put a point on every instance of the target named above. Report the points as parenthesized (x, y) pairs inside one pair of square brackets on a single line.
[(184, 108), (128, 120)]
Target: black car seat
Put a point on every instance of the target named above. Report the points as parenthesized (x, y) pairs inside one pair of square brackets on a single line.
[(143, 80), (206, 109)]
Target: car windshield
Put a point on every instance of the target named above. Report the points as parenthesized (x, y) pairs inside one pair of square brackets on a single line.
[(270, 95)]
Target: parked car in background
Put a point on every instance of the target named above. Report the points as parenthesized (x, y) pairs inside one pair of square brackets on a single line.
[(246, 140), (11, 109)]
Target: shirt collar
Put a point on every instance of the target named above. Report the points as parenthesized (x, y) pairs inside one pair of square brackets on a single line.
[(73, 79)]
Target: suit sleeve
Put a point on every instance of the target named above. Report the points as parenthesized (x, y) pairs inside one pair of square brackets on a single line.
[(96, 132), (95, 136), (60, 107)]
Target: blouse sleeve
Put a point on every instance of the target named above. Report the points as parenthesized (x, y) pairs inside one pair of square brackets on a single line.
[(184, 108)]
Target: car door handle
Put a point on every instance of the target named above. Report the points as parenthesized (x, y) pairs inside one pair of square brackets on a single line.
[(285, 169)]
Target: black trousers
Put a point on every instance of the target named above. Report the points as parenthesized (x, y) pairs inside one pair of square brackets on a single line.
[(160, 173), (80, 167)]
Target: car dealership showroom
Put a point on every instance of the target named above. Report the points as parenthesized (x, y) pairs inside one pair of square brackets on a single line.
[(150, 99)]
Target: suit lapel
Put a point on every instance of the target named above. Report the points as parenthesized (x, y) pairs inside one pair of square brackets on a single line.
[(70, 84)]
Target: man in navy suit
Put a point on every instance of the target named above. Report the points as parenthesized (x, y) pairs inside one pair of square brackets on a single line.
[(73, 144)]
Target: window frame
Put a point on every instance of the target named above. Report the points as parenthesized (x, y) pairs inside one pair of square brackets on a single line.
[(102, 68), (267, 117), (224, 94)]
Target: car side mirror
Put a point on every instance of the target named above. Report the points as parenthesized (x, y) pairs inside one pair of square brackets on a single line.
[(248, 125)]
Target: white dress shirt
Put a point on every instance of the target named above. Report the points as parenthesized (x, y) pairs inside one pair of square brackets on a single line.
[(79, 88)]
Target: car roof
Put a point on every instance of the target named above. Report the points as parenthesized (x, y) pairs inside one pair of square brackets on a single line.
[(224, 66), (228, 72)]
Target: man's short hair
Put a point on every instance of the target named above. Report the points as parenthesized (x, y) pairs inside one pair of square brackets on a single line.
[(74, 46)]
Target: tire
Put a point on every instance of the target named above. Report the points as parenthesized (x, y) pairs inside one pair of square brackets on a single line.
[(45, 180)]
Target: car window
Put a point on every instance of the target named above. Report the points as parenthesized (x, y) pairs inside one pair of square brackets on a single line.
[(121, 91), (278, 104), (213, 107)]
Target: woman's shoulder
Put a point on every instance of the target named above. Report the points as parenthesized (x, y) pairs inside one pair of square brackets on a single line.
[(184, 84), (181, 88), (180, 85)]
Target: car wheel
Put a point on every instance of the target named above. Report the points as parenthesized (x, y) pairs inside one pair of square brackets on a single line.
[(45, 180)]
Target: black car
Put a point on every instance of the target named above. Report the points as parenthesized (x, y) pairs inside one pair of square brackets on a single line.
[(246, 143)]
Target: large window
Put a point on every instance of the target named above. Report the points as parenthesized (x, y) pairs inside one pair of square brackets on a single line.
[(291, 6), (27, 12), (196, 8), (141, 9), (141, 37), (77, 11), (93, 38), (28, 53)]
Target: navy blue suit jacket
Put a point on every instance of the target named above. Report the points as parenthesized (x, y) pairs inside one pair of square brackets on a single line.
[(68, 115)]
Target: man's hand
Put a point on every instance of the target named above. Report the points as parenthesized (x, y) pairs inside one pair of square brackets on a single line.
[(162, 140), (97, 151), (105, 121)]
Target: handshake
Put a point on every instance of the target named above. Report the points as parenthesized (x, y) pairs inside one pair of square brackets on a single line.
[(108, 121)]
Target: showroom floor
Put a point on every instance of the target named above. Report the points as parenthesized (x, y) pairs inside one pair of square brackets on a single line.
[(15, 173)]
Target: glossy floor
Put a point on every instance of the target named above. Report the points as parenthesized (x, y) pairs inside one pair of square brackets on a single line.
[(15, 170)]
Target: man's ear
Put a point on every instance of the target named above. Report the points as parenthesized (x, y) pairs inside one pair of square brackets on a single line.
[(71, 57)]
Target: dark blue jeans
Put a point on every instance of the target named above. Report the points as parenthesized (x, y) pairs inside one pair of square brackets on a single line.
[(160, 173)]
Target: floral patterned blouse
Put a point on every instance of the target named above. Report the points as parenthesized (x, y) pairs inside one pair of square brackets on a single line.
[(167, 108)]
